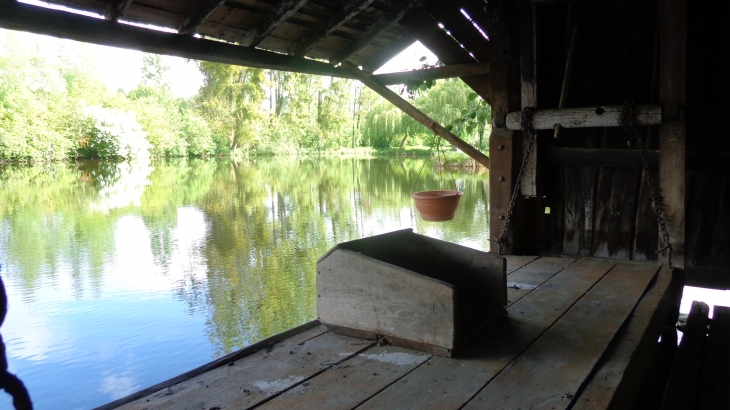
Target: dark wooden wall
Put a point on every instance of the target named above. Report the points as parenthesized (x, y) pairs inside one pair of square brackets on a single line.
[(600, 204)]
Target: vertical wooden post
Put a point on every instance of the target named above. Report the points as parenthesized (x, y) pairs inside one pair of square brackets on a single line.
[(528, 95), (504, 149), (504, 145), (672, 140)]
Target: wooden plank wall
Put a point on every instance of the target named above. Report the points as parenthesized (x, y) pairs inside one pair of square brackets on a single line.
[(605, 211), (708, 188)]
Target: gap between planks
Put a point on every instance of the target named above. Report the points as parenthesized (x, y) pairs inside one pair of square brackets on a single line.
[(249, 384), (552, 370), (458, 379)]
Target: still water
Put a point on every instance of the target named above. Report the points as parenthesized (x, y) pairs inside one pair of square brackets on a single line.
[(122, 275)]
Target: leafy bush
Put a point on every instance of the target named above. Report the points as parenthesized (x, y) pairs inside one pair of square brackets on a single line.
[(112, 133)]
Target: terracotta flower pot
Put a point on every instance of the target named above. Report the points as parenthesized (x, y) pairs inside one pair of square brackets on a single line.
[(437, 206)]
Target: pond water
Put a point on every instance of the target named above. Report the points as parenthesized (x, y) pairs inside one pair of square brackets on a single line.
[(122, 275)]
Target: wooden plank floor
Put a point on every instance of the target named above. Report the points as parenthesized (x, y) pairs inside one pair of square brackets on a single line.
[(576, 329)]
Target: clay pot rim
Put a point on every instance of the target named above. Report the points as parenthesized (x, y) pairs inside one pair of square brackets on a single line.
[(436, 194)]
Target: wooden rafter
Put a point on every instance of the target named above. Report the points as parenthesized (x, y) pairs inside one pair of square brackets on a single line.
[(449, 71), (117, 9), (383, 56), (424, 28), (376, 30), (349, 10), (206, 8), (461, 29), (418, 115), (277, 15), (61, 24)]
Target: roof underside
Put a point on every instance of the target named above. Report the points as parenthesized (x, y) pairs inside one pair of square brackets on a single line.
[(311, 36), (318, 29)]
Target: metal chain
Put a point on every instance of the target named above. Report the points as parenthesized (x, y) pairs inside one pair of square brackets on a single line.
[(527, 128), (627, 125), (8, 381)]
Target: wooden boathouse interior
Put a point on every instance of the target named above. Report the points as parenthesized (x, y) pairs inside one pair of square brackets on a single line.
[(594, 279)]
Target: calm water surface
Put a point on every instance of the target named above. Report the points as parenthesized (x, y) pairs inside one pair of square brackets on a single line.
[(122, 275)]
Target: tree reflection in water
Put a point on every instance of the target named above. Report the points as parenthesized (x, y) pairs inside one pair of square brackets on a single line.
[(255, 229)]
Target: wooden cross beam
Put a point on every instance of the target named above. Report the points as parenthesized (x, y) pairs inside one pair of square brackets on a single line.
[(584, 117), (277, 15), (117, 9), (349, 10), (418, 115), (448, 71), (204, 11), (375, 31), (61, 24)]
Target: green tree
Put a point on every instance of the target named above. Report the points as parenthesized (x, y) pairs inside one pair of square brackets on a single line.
[(231, 101)]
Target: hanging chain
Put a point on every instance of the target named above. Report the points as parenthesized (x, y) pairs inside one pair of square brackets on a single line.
[(437, 143), (627, 125), (528, 129)]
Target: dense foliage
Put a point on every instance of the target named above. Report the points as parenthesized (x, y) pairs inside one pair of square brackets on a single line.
[(52, 107)]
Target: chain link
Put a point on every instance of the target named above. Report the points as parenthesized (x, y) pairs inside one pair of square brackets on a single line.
[(627, 125), (528, 129)]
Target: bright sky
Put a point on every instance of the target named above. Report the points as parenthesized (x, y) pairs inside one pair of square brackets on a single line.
[(122, 68)]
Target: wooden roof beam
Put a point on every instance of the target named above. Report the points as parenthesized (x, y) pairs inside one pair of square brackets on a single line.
[(375, 31), (277, 15), (425, 29), (377, 60), (61, 24), (206, 8), (449, 71), (349, 10), (418, 115), (117, 9)]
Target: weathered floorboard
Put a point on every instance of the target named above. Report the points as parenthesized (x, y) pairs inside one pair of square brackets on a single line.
[(616, 382), (447, 383), (244, 357), (247, 384), (524, 280), (517, 262), (347, 385), (570, 349)]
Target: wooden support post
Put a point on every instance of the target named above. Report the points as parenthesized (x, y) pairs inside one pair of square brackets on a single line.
[(504, 146), (503, 154), (672, 139), (419, 116), (528, 95)]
